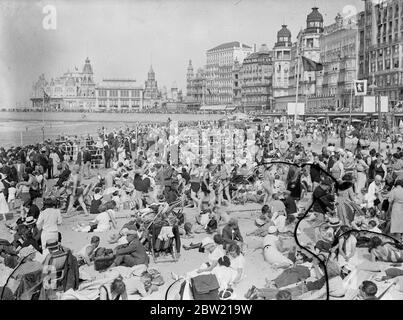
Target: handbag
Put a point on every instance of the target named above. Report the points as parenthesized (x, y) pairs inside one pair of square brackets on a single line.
[(205, 287)]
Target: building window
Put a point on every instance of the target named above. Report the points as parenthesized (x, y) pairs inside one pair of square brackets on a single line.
[(102, 93), (113, 93), (124, 93)]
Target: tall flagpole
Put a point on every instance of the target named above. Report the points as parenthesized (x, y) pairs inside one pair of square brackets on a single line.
[(351, 102), (297, 79), (43, 116)]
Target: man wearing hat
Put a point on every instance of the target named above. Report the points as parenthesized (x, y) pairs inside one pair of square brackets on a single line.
[(28, 234), (322, 198), (131, 254)]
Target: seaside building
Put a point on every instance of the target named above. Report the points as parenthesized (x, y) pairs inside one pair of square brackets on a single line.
[(220, 71), (256, 81), (74, 90), (281, 62), (195, 87), (119, 95), (381, 48), (339, 57), (308, 45)]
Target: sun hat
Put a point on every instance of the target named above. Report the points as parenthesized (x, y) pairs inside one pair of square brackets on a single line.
[(206, 241), (29, 220)]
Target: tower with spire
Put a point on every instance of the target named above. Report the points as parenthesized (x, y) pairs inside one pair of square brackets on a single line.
[(150, 89), (189, 74), (282, 62), (189, 79), (87, 87)]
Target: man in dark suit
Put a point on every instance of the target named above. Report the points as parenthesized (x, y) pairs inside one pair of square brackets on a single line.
[(20, 167), (31, 163), (80, 157), (13, 174)]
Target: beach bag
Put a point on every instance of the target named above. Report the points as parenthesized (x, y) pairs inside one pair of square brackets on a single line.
[(205, 287)]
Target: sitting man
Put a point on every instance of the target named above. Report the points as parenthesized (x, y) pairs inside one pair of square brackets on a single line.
[(28, 234), (232, 234), (130, 254)]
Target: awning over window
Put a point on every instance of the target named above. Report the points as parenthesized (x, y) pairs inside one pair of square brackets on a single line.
[(216, 108)]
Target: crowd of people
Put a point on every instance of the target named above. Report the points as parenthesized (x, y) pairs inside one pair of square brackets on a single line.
[(173, 182)]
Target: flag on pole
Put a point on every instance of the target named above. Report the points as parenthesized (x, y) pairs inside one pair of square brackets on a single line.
[(360, 87), (46, 97), (310, 65)]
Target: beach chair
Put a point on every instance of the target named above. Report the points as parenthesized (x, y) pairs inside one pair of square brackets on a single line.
[(58, 263), (161, 249)]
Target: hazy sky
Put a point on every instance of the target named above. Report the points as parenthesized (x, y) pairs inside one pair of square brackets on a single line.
[(122, 38)]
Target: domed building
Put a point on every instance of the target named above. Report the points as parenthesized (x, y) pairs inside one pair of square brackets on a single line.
[(309, 47), (283, 37), (281, 62), (314, 21)]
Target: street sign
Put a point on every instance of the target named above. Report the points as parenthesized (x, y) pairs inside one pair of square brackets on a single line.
[(299, 109), (370, 105), (360, 87), (384, 104)]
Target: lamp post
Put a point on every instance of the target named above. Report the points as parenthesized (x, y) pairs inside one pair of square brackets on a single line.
[(373, 86)]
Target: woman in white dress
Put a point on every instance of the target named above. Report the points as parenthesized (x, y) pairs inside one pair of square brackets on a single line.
[(3, 202), (348, 254), (56, 161), (121, 153), (237, 261)]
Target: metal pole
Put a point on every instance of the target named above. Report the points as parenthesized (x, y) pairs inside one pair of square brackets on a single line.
[(378, 98), (297, 89), (351, 102), (43, 117)]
